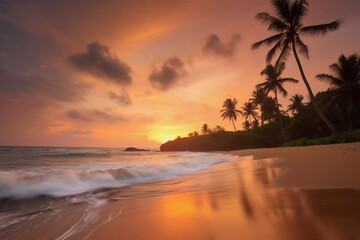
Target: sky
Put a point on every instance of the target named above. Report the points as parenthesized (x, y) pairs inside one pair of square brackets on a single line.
[(106, 73)]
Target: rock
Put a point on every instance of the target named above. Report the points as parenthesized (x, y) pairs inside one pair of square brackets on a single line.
[(132, 149)]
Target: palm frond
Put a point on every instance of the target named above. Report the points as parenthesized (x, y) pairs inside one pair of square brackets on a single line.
[(284, 53), (320, 29), (336, 68), (304, 49), (280, 67), (274, 23), (282, 8), (273, 51), (299, 10), (282, 90), (268, 41), (282, 80), (330, 79)]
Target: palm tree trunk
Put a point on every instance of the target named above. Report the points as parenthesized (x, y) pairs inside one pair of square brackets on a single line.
[(278, 110), (312, 97), (262, 115), (233, 124)]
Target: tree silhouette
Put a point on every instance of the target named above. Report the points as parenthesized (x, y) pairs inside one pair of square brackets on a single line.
[(258, 98), (229, 110), (218, 128), (269, 109), (288, 24), (205, 129), (274, 83), (296, 103), (345, 85), (246, 125), (248, 111)]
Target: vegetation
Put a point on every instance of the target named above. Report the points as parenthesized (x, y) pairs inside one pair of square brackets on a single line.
[(274, 83), (229, 110), (288, 24), (346, 87), (310, 122), (296, 104)]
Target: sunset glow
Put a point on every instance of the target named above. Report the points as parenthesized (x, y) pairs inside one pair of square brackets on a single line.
[(54, 93)]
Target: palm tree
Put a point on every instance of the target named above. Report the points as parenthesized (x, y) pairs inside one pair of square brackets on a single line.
[(296, 104), (269, 109), (218, 128), (345, 85), (246, 125), (248, 111), (205, 129), (288, 24), (274, 83), (229, 110), (258, 98)]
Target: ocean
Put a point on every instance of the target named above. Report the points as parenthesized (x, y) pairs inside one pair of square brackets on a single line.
[(39, 184)]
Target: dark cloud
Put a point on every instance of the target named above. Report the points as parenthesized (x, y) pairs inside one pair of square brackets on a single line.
[(94, 116), (44, 87), (168, 75), (98, 61), (122, 99), (214, 46), (78, 116), (109, 117)]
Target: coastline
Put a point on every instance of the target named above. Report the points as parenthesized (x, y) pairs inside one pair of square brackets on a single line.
[(260, 194), (311, 167)]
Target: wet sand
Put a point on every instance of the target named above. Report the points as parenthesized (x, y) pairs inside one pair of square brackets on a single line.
[(283, 193)]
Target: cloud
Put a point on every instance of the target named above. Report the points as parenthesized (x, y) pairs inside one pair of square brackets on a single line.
[(94, 116), (122, 99), (42, 88), (81, 132), (77, 116), (214, 46), (98, 61), (168, 75), (109, 117)]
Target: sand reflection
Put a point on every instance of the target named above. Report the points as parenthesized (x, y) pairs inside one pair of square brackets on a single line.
[(235, 201), (241, 205)]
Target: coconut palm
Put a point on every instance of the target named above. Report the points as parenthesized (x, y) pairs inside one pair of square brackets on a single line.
[(205, 129), (288, 24), (274, 83), (248, 111), (218, 128), (296, 103), (258, 98), (246, 125), (345, 85), (269, 109), (229, 110)]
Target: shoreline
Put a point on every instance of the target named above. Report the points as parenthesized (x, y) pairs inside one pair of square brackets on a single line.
[(248, 197), (325, 166)]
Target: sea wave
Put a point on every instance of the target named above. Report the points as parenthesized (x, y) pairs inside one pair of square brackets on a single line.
[(59, 183), (80, 154)]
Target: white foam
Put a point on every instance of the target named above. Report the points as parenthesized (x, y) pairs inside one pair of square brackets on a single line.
[(70, 181)]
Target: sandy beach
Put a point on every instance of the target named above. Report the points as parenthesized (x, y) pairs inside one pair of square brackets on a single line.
[(282, 193)]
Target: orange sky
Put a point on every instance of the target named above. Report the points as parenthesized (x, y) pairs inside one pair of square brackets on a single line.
[(57, 91)]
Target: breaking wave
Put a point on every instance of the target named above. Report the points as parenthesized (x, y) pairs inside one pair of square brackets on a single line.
[(64, 182)]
